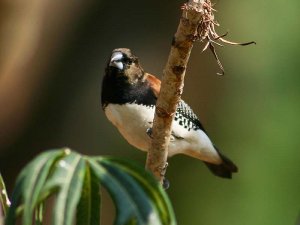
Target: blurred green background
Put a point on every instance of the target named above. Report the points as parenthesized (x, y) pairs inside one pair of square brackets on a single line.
[(52, 59)]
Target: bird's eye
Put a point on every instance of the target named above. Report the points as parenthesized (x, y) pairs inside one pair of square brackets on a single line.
[(128, 61)]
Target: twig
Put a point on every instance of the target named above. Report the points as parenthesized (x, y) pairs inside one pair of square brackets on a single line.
[(172, 86)]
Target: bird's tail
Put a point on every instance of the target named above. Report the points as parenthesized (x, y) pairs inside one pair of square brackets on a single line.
[(225, 169)]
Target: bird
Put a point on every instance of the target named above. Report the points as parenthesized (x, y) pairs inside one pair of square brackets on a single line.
[(128, 98)]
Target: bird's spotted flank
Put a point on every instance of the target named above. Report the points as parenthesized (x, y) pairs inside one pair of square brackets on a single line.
[(186, 117)]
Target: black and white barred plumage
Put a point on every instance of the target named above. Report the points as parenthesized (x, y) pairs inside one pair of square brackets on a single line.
[(186, 117), (128, 99)]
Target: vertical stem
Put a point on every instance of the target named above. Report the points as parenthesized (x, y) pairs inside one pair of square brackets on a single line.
[(172, 86)]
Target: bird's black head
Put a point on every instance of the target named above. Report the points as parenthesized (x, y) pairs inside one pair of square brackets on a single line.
[(124, 65), (125, 80)]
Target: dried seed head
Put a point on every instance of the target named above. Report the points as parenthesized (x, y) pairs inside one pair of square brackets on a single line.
[(206, 29)]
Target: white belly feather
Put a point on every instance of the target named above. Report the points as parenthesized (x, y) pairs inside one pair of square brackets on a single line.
[(133, 120)]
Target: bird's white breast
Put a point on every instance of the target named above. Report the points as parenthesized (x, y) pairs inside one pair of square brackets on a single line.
[(133, 120)]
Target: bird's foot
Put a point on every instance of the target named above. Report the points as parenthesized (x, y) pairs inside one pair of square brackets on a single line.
[(149, 132), (166, 183), (164, 169)]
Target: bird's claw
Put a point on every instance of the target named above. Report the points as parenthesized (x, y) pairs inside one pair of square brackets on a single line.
[(166, 183), (149, 132), (164, 168)]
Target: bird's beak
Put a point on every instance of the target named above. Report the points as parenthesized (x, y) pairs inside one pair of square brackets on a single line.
[(115, 60)]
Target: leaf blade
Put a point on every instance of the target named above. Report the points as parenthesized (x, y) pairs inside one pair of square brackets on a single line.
[(150, 185), (143, 206), (144, 209), (88, 209), (37, 172), (4, 200), (139, 199), (118, 194), (68, 179), (24, 190)]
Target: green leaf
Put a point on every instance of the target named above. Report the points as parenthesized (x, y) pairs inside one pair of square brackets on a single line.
[(144, 210), (139, 198), (15, 201), (39, 213), (67, 178), (123, 204), (38, 170), (4, 201), (88, 209), (131, 198), (29, 184), (154, 190)]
